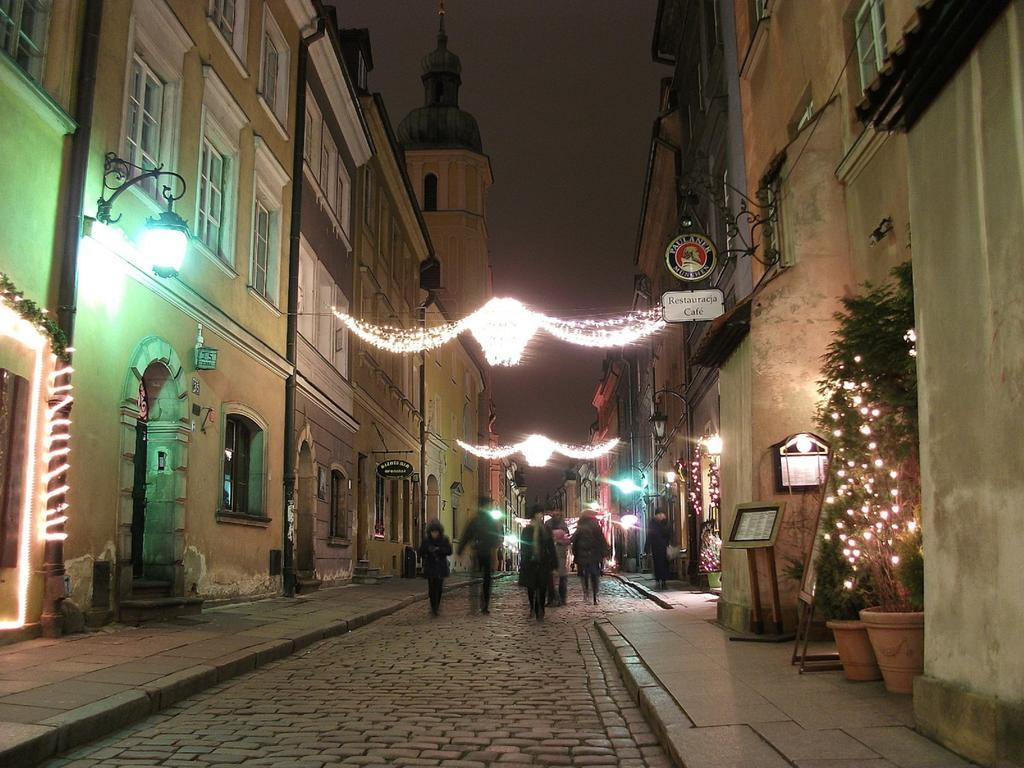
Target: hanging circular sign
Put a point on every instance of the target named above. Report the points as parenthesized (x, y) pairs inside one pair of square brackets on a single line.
[(691, 257), (394, 468)]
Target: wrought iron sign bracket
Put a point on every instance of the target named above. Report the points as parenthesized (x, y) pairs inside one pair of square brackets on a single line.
[(118, 176)]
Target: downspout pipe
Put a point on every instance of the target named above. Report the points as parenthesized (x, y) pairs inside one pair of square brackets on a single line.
[(51, 619), (423, 419), (291, 349)]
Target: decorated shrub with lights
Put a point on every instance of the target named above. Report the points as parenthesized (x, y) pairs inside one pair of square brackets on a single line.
[(869, 389)]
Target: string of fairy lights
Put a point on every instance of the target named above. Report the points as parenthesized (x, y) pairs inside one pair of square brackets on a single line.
[(538, 449), (504, 327)]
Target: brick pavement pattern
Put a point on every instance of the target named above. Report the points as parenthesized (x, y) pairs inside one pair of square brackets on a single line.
[(463, 690)]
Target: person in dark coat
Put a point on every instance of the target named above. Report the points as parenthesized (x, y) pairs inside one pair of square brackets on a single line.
[(434, 552), (538, 560), (483, 534), (563, 542), (659, 537), (589, 549)]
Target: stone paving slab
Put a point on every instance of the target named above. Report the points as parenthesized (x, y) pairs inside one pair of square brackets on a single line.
[(744, 704), (57, 693)]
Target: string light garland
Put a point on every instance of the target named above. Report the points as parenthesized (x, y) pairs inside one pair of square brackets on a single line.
[(504, 327), (538, 450)]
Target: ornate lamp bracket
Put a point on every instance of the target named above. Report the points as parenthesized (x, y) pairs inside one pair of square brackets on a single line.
[(119, 175)]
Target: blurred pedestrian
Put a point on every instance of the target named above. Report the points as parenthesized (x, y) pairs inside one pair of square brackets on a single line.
[(589, 549), (484, 536), (563, 543), (538, 560), (434, 552), (659, 538)]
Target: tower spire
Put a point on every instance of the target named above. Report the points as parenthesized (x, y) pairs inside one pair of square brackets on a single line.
[(441, 34)]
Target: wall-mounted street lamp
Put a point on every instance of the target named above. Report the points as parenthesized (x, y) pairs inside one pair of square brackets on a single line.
[(166, 237), (659, 421)]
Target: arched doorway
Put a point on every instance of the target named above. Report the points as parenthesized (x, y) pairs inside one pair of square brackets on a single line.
[(305, 523), (154, 495), (433, 499)]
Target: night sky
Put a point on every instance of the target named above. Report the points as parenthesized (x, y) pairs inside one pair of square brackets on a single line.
[(565, 92)]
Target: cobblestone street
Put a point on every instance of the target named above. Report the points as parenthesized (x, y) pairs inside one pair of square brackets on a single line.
[(459, 690)]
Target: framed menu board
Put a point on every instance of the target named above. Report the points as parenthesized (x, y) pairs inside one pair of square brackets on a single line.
[(755, 525)]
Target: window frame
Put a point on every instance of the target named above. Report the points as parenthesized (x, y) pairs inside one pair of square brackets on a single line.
[(237, 39), (338, 515), (12, 47), (870, 14), (254, 507), (277, 103), (269, 180), (208, 154)]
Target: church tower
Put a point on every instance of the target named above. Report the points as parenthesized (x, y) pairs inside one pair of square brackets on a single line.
[(451, 176)]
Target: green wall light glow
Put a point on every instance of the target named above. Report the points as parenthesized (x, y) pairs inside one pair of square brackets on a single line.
[(164, 243)]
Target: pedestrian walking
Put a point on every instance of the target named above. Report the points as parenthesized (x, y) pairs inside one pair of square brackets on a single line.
[(484, 536), (659, 538), (538, 560), (589, 549), (434, 552), (563, 543)]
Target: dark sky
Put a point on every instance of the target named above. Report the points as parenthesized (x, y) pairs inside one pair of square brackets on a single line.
[(565, 93)]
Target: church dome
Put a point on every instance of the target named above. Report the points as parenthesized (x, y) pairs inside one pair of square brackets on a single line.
[(440, 123)]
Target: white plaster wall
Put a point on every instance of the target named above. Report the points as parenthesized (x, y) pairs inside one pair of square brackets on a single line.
[(967, 216)]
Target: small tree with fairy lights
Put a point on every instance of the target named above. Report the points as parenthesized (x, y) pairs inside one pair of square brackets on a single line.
[(869, 389)]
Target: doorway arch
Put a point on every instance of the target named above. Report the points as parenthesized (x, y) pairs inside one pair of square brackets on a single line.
[(305, 522), (155, 434), (433, 499)]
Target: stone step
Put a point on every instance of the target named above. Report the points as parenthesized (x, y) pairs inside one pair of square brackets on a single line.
[(306, 583), (150, 588), (378, 578), (137, 611)]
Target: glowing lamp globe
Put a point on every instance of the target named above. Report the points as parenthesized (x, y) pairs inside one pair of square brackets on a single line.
[(804, 444), (670, 477), (627, 485), (495, 513), (164, 243), (713, 445), (629, 521)]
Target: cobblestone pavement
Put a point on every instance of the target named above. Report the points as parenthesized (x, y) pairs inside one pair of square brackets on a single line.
[(461, 690)]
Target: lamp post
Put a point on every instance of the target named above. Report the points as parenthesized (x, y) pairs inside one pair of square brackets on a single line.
[(166, 237)]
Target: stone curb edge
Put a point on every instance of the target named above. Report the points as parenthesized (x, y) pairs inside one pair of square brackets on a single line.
[(644, 590), (31, 744), (661, 710)]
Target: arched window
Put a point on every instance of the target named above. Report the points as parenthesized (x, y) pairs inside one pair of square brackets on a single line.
[(430, 192), (339, 506), (243, 467)]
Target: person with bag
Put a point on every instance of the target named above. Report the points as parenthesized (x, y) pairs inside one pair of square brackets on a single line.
[(589, 549), (659, 539), (484, 535), (434, 552), (538, 560), (560, 533)]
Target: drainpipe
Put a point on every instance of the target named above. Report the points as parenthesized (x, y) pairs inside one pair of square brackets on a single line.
[(298, 158), (423, 418), (52, 620)]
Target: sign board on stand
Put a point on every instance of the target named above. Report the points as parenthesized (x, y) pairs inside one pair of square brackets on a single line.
[(692, 306), (756, 526)]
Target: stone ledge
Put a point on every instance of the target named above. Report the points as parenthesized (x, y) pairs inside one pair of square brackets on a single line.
[(666, 718), (80, 725), (645, 591), (25, 744), (981, 728)]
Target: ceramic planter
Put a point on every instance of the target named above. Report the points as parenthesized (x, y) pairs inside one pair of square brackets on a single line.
[(898, 641), (855, 652), (715, 579)]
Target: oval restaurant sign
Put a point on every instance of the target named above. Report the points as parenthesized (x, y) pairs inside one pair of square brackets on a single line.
[(394, 468), (691, 257)]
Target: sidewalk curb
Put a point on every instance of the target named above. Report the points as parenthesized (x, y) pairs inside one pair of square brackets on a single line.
[(31, 744), (647, 592), (660, 709)]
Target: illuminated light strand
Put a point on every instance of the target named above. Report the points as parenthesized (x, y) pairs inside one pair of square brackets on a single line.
[(58, 431), (538, 449), (504, 327)]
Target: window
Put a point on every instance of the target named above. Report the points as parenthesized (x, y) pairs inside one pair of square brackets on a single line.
[(265, 247), (329, 169), (396, 511), (243, 466), (261, 250), (378, 508), (274, 69), (368, 196), (23, 26), (211, 197), (760, 9), (145, 115), (430, 192), (311, 146), (223, 17), (870, 35), (307, 295), (339, 506), (396, 248)]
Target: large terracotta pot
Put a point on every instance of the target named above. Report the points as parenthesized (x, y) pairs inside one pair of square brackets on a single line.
[(898, 641), (855, 652)]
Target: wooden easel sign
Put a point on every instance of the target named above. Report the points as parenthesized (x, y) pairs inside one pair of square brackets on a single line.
[(756, 526)]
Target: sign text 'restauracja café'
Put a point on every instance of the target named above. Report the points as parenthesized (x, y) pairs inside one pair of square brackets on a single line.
[(680, 306)]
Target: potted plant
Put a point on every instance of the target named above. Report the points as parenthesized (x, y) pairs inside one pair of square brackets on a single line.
[(841, 602), (711, 555), (870, 405)]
